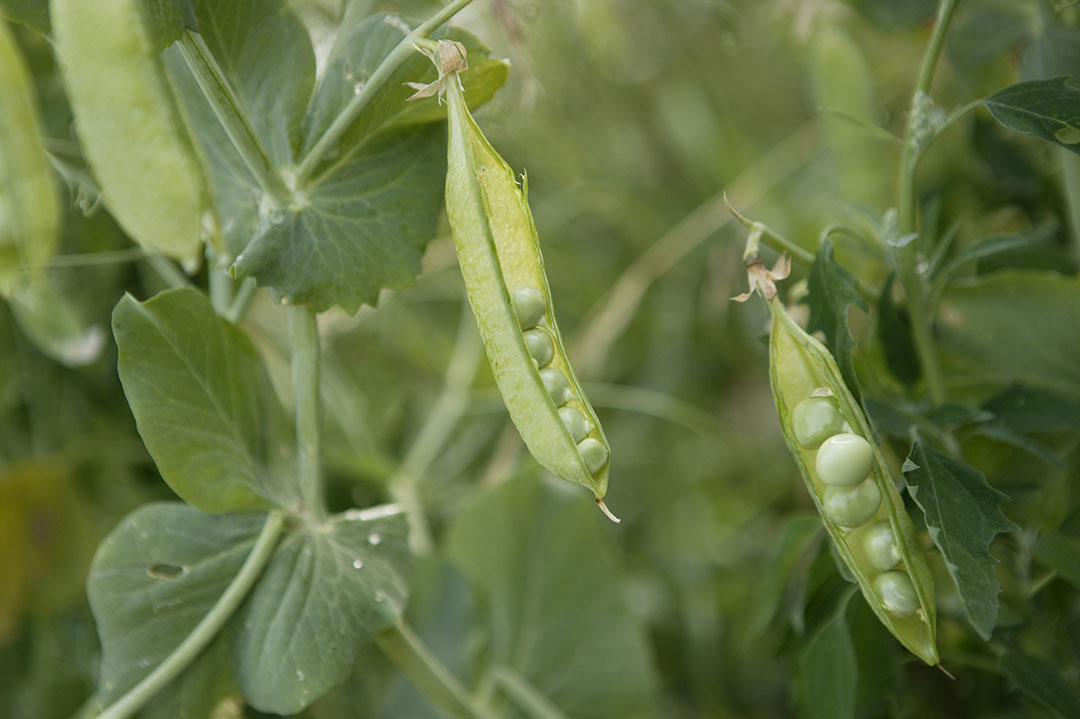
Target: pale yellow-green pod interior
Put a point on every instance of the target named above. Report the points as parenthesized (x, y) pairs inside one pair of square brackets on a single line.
[(800, 366), (29, 209), (499, 251), (125, 116)]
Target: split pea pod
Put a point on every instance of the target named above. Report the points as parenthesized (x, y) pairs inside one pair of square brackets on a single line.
[(849, 481), (128, 125), (499, 253)]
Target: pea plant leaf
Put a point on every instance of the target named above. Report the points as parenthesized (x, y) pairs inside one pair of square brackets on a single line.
[(326, 590), (202, 401), (1043, 682), (152, 580), (962, 517), (166, 19), (1016, 326), (1048, 109), (828, 674), (32, 13), (361, 220), (557, 621), (894, 333), (831, 291), (1061, 553)]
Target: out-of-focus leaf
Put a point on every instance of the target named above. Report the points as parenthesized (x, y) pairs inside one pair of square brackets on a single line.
[(1062, 554), (50, 321), (990, 247), (202, 401), (555, 612), (831, 291), (324, 593), (828, 674), (1027, 409), (962, 517), (894, 333), (154, 578), (798, 535), (168, 19), (33, 13), (1048, 109), (1017, 327), (1043, 682)]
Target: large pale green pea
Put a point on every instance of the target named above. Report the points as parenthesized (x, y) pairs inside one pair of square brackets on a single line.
[(897, 593), (530, 306), (844, 460), (814, 420), (879, 543), (557, 386), (594, 453), (852, 506), (540, 346), (575, 422)]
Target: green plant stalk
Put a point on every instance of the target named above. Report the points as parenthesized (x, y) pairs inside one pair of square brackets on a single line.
[(205, 631), (1070, 166), (443, 417), (401, 52), (527, 697), (167, 271), (231, 115), (304, 359), (910, 277), (408, 652), (241, 300)]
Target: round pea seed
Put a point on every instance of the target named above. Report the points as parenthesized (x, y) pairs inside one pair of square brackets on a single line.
[(880, 547), (540, 346), (844, 460), (814, 420), (897, 593), (575, 422), (530, 306), (594, 453), (852, 506), (556, 384)]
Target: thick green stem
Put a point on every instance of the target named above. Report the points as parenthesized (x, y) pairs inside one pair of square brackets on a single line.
[(444, 414), (304, 345), (231, 114), (426, 672), (910, 275), (206, 629), (386, 68), (168, 271), (526, 696), (241, 300)]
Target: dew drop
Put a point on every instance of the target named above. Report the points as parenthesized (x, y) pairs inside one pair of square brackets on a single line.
[(300, 675), (374, 539), (358, 88), (1067, 135), (380, 597), (144, 662), (358, 564)]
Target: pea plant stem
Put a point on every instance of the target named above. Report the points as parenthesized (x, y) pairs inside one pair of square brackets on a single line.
[(206, 629), (910, 276), (526, 696), (409, 653), (304, 359), (232, 116), (404, 49)]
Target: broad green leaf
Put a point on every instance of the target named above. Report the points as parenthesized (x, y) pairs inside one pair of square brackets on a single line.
[(1027, 409), (963, 517), (33, 13), (1043, 682), (1062, 554), (828, 674), (361, 44), (327, 589), (53, 324), (165, 19), (535, 556), (154, 578), (1016, 327), (202, 401), (199, 688), (364, 228), (989, 247), (267, 57), (1048, 109), (894, 333), (799, 534), (832, 289)]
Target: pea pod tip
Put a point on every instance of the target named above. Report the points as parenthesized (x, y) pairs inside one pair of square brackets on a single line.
[(607, 512)]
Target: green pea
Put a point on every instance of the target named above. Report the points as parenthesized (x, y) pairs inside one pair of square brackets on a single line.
[(814, 420), (897, 593), (530, 306), (557, 386), (540, 347), (852, 506), (594, 453), (879, 543), (844, 460), (575, 422)]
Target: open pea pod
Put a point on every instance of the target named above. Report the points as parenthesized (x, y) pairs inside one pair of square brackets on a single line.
[(851, 485), (499, 253)]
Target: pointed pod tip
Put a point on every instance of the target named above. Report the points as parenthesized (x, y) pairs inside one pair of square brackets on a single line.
[(606, 511)]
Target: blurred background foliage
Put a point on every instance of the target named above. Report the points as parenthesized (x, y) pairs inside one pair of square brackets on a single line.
[(631, 117)]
